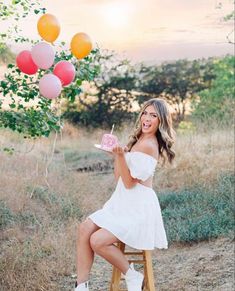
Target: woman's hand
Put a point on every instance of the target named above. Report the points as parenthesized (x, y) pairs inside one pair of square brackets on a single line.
[(119, 150)]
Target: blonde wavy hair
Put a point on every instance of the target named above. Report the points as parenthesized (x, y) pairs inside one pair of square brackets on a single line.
[(165, 134)]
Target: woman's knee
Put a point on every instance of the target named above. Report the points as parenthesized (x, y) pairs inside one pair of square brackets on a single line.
[(96, 242), (85, 229)]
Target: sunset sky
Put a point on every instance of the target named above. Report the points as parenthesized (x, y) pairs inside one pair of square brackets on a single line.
[(144, 30)]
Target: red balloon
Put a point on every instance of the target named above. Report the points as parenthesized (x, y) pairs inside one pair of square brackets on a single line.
[(65, 71), (25, 63)]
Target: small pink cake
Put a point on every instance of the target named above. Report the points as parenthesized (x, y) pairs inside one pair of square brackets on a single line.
[(108, 141)]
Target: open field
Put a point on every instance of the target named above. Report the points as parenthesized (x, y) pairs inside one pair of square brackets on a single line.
[(49, 185)]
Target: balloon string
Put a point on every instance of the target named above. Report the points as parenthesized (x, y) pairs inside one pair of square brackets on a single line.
[(58, 109), (61, 135), (50, 160), (34, 185)]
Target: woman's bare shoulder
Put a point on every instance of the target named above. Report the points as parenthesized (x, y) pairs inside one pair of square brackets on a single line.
[(149, 147)]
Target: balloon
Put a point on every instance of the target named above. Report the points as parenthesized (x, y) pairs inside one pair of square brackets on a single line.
[(25, 63), (65, 71), (48, 27), (43, 55), (81, 45), (50, 86)]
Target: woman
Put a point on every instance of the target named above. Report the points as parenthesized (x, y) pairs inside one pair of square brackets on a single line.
[(132, 214)]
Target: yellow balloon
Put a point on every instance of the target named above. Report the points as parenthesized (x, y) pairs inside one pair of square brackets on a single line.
[(81, 45), (48, 27)]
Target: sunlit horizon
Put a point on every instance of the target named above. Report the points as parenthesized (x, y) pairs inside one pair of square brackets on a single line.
[(150, 31)]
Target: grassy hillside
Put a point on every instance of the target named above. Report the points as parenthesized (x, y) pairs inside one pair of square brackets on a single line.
[(49, 185)]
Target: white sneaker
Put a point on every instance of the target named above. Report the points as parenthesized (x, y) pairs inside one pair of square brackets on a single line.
[(134, 279), (82, 287)]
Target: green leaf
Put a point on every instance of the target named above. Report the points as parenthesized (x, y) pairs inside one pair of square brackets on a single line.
[(9, 66), (79, 82)]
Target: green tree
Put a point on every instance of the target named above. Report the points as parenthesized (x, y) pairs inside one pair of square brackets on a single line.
[(16, 10), (217, 102), (179, 82), (30, 113), (110, 97)]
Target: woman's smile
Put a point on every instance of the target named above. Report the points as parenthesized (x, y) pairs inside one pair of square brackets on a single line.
[(149, 120), (146, 125)]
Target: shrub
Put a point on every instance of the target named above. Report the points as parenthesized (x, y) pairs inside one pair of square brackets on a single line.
[(199, 214)]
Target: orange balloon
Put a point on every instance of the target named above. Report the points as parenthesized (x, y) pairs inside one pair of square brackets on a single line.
[(81, 45), (48, 27)]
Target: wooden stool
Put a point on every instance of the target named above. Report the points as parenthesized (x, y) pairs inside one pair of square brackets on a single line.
[(148, 270)]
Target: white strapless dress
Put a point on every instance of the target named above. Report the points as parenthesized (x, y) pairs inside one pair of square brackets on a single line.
[(134, 215)]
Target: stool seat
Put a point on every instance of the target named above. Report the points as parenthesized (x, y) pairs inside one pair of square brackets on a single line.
[(145, 259)]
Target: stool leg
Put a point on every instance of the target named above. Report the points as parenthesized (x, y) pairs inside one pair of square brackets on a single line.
[(149, 277), (116, 275), (115, 279), (145, 283)]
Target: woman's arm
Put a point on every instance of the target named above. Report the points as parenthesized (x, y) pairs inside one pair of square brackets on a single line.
[(116, 171), (128, 181), (121, 165), (121, 168)]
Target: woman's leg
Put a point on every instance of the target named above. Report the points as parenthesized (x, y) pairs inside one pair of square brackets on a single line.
[(102, 243), (85, 254)]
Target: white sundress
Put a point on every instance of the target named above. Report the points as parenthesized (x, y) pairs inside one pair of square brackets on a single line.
[(134, 215)]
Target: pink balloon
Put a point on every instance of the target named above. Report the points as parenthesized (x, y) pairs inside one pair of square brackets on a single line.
[(43, 55), (25, 63), (50, 86), (65, 71)]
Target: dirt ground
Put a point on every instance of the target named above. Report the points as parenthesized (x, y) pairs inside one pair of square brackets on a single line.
[(204, 266)]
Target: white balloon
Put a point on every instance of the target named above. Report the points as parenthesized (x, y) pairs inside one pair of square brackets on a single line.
[(43, 55), (50, 86)]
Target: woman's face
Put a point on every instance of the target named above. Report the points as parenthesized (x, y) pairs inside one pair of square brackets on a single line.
[(149, 120)]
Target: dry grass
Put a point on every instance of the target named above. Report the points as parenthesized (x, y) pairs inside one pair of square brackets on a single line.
[(37, 179), (200, 158)]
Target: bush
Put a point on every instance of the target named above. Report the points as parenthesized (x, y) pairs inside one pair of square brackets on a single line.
[(59, 208), (199, 214), (6, 216)]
